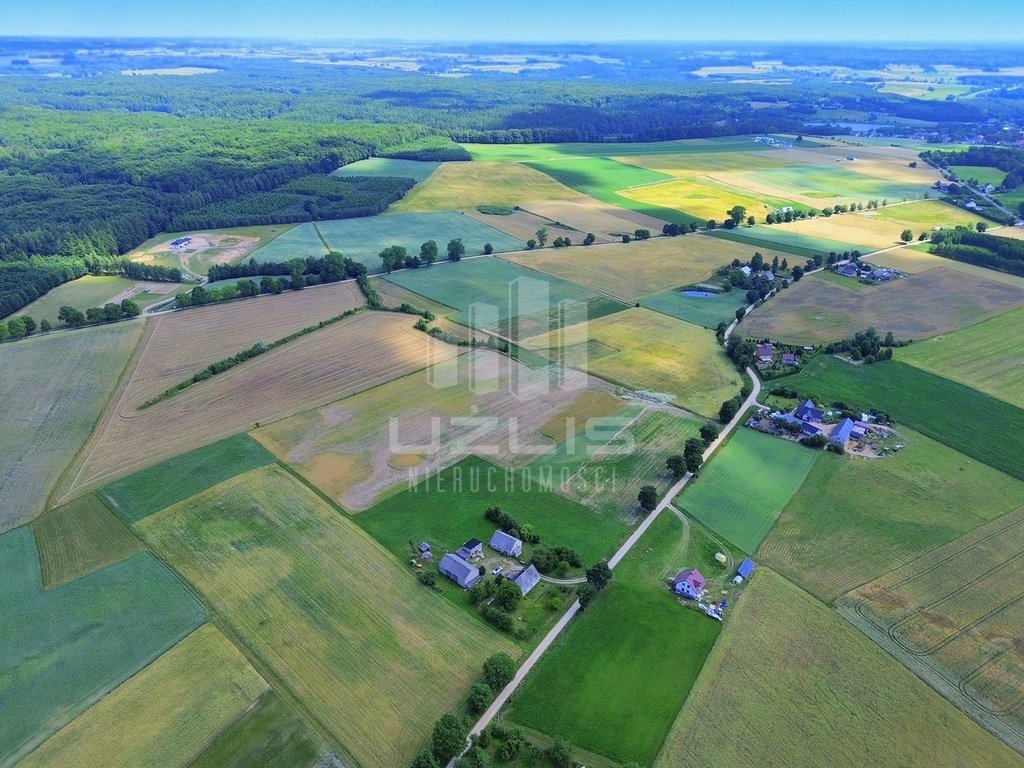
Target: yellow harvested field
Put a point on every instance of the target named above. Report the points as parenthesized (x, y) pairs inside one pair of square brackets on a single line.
[(349, 634), (524, 225), (647, 351), (1017, 233), (912, 261), (462, 185), (630, 271), (699, 196), (344, 358), (165, 715), (357, 448), (589, 215), (855, 229)]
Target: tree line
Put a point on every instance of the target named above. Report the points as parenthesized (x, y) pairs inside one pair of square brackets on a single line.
[(966, 244)]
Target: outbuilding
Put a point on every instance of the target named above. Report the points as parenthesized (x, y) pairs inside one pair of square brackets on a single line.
[(469, 550), (458, 570), (842, 432), (506, 544), (526, 579)]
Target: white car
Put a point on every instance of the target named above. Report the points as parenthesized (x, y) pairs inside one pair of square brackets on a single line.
[(496, 570)]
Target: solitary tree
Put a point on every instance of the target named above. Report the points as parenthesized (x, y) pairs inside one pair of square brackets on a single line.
[(693, 454), (589, 239), (797, 273), (428, 253), (44, 326), (906, 236), (425, 759), (708, 433), (599, 575), (393, 257), (542, 236), (30, 324), (981, 226), (531, 244), (676, 465), (480, 698), (587, 595), (648, 497), (499, 670), (728, 410), (488, 249), (456, 249), (642, 234), (751, 221), (559, 754)]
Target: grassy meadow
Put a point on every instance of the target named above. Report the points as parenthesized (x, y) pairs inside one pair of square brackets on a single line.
[(793, 243), (460, 185), (961, 417), (984, 174), (816, 311), (705, 311), (986, 356), (614, 681), (789, 681), (85, 292), (631, 271), (299, 242), (161, 485), (855, 519), (104, 626), (54, 388), (165, 715), (746, 485), (349, 636), (447, 509), (387, 166), (78, 538), (645, 350)]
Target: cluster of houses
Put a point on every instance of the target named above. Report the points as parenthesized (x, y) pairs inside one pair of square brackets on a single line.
[(867, 272), (460, 567), (765, 356), (766, 275), (808, 419), (773, 142), (180, 243), (691, 585)]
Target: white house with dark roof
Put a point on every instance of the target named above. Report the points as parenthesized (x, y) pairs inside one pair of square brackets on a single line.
[(526, 579), (507, 545), (458, 570)]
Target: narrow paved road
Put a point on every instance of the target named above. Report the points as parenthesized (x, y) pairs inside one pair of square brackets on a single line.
[(556, 630)]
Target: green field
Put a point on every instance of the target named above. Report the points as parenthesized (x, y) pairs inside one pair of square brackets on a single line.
[(79, 538), (926, 215), (781, 239), (364, 238), (385, 166), (169, 482), (615, 680), (832, 183), (855, 519), (791, 684), (706, 311), (346, 634), (165, 715), (746, 486), (964, 419), (489, 281), (985, 174), (66, 647), (299, 242), (54, 389), (268, 734), (986, 356), (526, 153), (85, 292), (448, 508)]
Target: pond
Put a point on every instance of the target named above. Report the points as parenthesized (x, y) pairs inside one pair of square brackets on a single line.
[(698, 294)]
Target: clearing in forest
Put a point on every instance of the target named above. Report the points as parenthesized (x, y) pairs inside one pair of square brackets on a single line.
[(956, 617), (789, 681), (830, 539), (746, 486), (362, 646), (54, 391), (815, 311), (357, 353)]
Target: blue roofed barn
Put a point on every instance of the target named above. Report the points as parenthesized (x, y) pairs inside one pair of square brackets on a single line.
[(458, 570)]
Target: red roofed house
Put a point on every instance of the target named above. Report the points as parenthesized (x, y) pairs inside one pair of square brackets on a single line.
[(689, 583)]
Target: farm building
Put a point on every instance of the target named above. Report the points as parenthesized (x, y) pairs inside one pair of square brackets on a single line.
[(786, 418), (743, 572), (526, 579), (789, 359), (848, 270), (842, 432), (765, 352), (181, 242), (745, 271), (767, 275), (859, 430), (469, 550), (808, 412), (808, 430), (458, 570), (689, 583), (507, 545), (424, 547), (881, 275)]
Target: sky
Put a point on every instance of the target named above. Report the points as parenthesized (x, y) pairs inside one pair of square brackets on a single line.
[(523, 20)]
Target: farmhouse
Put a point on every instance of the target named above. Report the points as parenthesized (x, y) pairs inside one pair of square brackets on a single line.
[(765, 352), (842, 432), (848, 270), (689, 583), (880, 274), (507, 545), (745, 270), (458, 570), (526, 579), (808, 412), (789, 359), (469, 550)]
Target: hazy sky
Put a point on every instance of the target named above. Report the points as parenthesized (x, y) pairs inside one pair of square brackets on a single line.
[(527, 20)]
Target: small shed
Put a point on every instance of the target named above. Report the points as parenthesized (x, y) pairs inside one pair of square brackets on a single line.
[(469, 550), (506, 544), (746, 568), (424, 547), (526, 579)]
